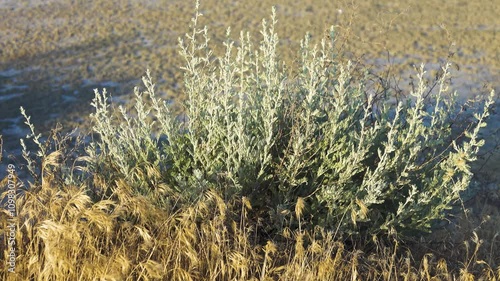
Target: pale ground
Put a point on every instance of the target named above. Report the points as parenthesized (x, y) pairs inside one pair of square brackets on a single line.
[(57, 51)]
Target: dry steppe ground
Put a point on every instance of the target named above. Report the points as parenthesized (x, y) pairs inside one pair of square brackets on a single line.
[(53, 53)]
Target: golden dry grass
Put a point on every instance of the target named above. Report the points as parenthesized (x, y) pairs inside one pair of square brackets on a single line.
[(64, 234)]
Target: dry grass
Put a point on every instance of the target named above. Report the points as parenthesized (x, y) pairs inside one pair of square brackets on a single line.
[(64, 234)]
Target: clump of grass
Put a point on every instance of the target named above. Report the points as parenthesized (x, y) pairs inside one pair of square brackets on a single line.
[(65, 235), (267, 176)]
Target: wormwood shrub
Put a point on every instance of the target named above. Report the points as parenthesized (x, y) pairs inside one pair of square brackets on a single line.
[(64, 233), (253, 128)]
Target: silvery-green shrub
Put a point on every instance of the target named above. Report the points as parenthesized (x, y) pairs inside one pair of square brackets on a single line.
[(253, 128)]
